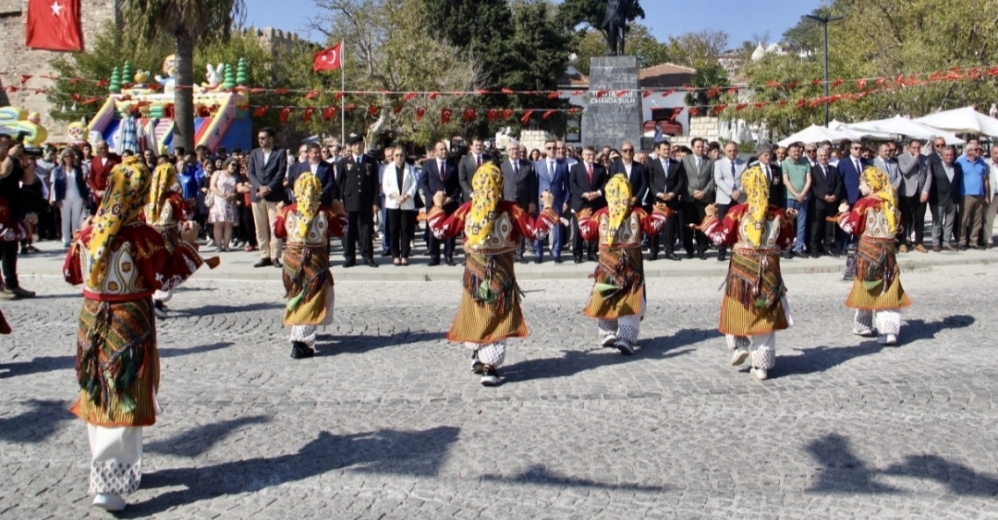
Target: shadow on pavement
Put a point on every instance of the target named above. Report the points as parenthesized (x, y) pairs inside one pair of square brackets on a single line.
[(198, 440), (335, 344), (576, 361), (50, 363), (842, 471), (914, 330), (211, 310), (37, 424), (540, 475), (406, 453)]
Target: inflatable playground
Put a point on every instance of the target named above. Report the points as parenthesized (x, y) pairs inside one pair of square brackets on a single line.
[(138, 116)]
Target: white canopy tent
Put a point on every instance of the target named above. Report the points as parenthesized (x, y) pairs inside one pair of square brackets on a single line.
[(905, 127), (962, 121), (854, 134), (816, 134)]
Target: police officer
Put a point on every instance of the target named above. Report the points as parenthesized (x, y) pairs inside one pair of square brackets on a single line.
[(357, 175)]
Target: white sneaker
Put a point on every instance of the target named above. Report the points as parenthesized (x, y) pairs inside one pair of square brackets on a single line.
[(866, 333), (110, 502), (625, 347), (160, 313), (887, 339), (739, 356), (759, 373), (210, 242), (609, 341), (490, 376)]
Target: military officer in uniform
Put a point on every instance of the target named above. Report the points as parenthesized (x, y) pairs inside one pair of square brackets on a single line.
[(357, 175)]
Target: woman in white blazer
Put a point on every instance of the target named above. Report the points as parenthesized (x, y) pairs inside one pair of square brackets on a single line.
[(398, 183)]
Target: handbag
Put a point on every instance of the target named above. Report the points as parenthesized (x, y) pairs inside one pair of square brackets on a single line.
[(209, 199)]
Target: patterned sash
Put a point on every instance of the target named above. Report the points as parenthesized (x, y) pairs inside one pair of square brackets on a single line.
[(754, 279)]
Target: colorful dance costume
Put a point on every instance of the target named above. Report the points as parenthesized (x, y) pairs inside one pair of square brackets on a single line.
[(308, 282), (754, 305), (876, 293), (121, 261), (490, 303), (618, 297)]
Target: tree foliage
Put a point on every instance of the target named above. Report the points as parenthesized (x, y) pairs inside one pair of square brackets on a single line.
[(640, 43), (698, 49), (704, 81)]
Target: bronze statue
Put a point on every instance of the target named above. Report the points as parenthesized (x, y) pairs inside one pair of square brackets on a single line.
[(615, 24)]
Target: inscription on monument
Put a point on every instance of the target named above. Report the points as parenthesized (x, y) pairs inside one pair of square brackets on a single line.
[(613, 105)]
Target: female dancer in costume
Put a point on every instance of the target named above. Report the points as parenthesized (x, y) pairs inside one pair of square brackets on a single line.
[(618, 297), (308, 282), (754, 305), (876, 293), (490, 303), (121, 261)]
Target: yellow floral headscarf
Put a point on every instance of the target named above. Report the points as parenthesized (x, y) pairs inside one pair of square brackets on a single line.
[(618, 200), (308, 196), (164, 181), (880, 188), (128, 187), (487, 185), (756, 189)]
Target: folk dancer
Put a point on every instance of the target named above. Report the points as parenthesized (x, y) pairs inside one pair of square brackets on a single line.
[(876, 293), (489, 312), (121, 261), (618, 297), (308, 282), (754, 305), (10, 232)]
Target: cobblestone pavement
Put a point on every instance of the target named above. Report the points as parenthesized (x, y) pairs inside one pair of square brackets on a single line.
[(388, 421)]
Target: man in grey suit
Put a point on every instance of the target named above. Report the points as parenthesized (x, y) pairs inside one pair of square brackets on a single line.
[(266, 170), (728, 181), (469, 165), (519, 185), (914, 170), (699, 194), (886, 162), (552, 175)]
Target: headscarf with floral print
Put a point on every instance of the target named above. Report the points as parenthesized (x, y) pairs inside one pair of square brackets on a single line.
[(618, 201), (128, 187), (487, 186), (308, 196), (880, 188), (756, 189), (164, 181)]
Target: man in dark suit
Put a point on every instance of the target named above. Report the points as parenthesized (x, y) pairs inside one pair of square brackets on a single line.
[(439, 174), (586, 180), (519, 185), (358, 184), (667, 183), (635, 172), (267, 167), (825, 188), (699, 194), (943, 188), (321, 169), (552, 175), (850, 170), (469, 165)]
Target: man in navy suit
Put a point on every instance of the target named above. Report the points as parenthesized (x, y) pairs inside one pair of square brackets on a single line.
[(586, 180), (267, 168), (439, 174), (635, 172), (850, 170), (552, 175), (321, 169)]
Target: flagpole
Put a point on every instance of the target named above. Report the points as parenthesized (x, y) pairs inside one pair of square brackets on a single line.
[(343, 98)]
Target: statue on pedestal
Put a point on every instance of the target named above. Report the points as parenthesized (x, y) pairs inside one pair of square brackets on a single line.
[(615, 25)]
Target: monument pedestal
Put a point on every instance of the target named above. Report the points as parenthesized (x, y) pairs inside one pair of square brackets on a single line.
[(610, 120)]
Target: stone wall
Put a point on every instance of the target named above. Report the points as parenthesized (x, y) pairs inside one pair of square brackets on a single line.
[(17, 60), (531, 139), (706, 127)]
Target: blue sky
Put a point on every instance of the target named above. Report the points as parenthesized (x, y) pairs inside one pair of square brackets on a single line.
[(740, 19)]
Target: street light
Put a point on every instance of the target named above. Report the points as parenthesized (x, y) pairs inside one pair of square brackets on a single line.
[(823, 20)]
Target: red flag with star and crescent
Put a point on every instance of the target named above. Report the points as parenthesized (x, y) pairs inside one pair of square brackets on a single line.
[(328, 59), (54, 25)]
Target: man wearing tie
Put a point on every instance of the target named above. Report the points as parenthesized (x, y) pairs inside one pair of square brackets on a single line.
[(552, 175), (699, 194), (825, 188), (358, 181), (519, 185), (728, 180), (667, 183), (851, 169), (470, 164), (439, 174), (635, 172), (586, 180)]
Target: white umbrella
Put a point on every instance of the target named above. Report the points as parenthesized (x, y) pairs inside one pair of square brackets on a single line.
[(815, 134), (854, 134), (962, 121), (903, 126)]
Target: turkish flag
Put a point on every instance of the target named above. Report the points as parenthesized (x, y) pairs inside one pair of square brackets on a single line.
[(445, 115), (469, 114), (328, 59), (54, 25)]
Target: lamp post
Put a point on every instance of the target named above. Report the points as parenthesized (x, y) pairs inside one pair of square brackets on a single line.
[(823, 20)]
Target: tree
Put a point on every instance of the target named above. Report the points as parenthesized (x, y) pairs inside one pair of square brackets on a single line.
[(807, 34), (189, 23), (704, 82), (592, 13), (698, 49), (640, 43)]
